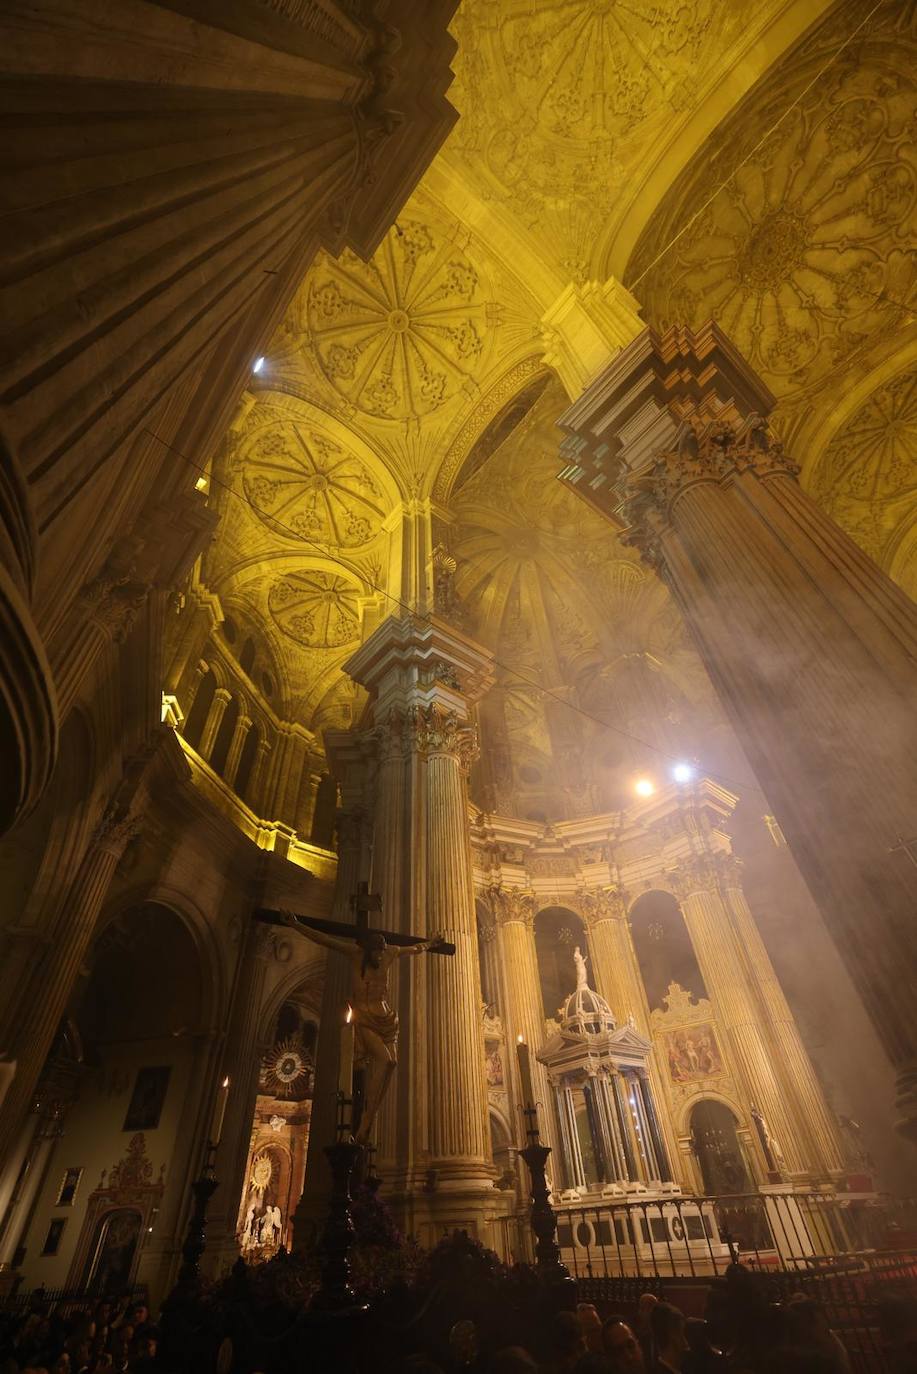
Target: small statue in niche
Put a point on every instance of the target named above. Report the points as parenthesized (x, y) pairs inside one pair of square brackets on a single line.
[(769, 1144), (582, 977)]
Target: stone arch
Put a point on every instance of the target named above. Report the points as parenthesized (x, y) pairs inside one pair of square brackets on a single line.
[(663, 946), (558, 930), (199, 925), (714, 1125)]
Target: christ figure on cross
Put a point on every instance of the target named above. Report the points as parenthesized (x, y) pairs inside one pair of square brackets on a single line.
[(371, 954)]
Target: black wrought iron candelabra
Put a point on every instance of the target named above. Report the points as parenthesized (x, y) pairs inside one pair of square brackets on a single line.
[(544, 1223), (335, 1293), (203, 1188)]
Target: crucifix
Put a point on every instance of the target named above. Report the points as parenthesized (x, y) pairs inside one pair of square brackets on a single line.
[(907, 847), (371, 952)]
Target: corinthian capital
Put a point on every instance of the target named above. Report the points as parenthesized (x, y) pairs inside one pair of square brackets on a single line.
[(116, 829), (436, 730), (706, 873), (511, 904), (601, 904)]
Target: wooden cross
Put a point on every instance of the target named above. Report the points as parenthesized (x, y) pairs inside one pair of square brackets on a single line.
[(362, 903), (907, 847)]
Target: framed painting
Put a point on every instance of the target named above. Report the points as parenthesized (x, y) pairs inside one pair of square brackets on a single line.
[(147, 1099)]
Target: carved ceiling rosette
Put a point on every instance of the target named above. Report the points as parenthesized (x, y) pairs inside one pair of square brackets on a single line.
[(320, 610), (867, 476), (303, 485), (559, 100), (398, 336), (801, 254)]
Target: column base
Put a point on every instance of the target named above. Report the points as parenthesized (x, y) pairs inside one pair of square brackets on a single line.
[(906, 1101)]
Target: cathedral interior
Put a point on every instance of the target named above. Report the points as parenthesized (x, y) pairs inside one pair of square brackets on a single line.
[(469, 451)]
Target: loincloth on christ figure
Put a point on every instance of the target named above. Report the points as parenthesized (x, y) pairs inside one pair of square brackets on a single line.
[(383, 1021)]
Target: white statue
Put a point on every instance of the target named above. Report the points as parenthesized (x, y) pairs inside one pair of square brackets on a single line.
[(582, 978), (248, 1230)]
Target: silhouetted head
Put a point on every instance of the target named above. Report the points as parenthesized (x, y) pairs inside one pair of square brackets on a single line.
[(373, 945)]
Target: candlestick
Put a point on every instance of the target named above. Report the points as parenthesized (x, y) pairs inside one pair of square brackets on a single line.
[(219, 1112), (525, 1072), (345, 1070)]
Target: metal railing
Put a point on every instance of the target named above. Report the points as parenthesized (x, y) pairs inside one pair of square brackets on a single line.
[(849, 1252), (673, 1236), (65, 1301)]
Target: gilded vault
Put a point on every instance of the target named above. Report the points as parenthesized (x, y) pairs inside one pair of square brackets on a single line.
[(398, 448)]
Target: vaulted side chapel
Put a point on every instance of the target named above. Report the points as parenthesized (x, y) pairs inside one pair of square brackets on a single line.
[(471, 452)]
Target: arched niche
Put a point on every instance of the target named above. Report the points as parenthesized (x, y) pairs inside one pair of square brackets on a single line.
[(487, 963), (663, 947), (247, 762), (146, 982), (720, 1157), (558, 931), (275, 1168)]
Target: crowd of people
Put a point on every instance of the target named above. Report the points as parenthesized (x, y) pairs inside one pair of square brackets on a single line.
[(107, 1338), (738, 1337)]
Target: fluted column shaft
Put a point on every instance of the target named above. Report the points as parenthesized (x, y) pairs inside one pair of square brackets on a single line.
[(812, 1118), (38, 1019), (459, 1141), (236, 744), (256, 785), (722, 968), (221, 699), (523, 1012), (811, 648)]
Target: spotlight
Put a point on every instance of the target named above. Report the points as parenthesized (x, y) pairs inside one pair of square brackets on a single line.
[(682, 772), (258, 364), (644, 788)]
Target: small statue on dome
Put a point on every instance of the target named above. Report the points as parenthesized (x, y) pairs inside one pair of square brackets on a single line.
[(582, 978)]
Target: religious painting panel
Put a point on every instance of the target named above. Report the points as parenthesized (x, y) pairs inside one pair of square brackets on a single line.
[(147, 1099), (111, 1256), (54, 1236), (66, 1193), (693, 1053)]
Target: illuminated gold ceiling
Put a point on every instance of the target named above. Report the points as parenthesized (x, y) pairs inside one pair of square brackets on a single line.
[(597, 138)]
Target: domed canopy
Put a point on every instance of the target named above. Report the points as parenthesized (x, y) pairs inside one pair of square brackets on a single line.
[(587, 1013)]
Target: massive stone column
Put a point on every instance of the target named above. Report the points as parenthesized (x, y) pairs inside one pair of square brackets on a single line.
[(423, 677), (720, 960), (168, 176), (523, 1010), (30, 1037), (812, 649)]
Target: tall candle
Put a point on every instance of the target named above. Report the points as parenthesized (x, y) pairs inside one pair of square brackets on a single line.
[(345, 1071), (525, 1072), (219, 1112)]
